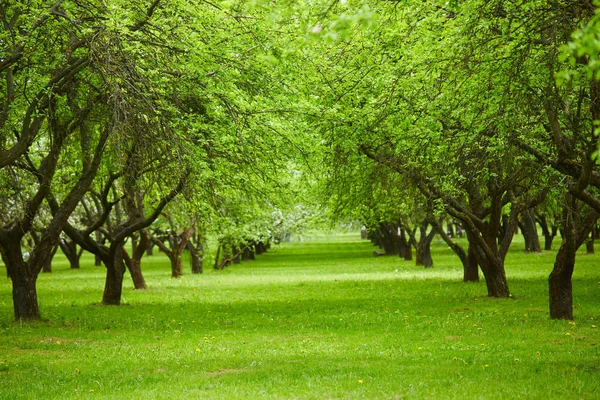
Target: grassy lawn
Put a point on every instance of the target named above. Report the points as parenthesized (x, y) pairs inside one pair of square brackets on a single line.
[(312, 320)]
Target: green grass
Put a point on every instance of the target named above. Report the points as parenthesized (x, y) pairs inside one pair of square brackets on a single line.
[(311, 320)]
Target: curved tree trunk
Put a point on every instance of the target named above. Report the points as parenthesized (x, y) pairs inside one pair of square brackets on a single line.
[(134, 267)]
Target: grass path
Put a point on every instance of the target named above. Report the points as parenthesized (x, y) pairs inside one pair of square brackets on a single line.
[(312, 320)]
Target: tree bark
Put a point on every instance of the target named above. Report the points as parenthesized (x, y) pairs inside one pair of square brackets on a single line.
[(176, 266), (134, 266), (248, 253), (532, 241), (424, 245), (467, 259), (560, 284), (149, 248), (115, 269), (404, 249), (576, 229), (548, 233), (134, 263), (178, 243), (236, 255), (69, 249), (589, 243), (471, 267), (47, 267), (196, 255)]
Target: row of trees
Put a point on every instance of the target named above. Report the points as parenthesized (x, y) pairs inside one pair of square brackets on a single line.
[(115, 114), (478, 111), (213, 116)]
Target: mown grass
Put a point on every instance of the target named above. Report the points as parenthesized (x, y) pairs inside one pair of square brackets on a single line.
[(314, 320)]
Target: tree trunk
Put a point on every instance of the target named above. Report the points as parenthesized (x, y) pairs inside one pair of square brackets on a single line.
[(495, 280), (560, 284), (548, 234), (576, 227), (589, 243), (196, 264), (25, 301), (134, 263), (47, 267), (248, 253), (113, 286), (69, 248), (493, 271), (471, 267), (236, 255), (532, 241), (196, 257), (134, 266), (404, 249), (176, 265), (101, 240), (23, 277), (149, 247), (135, 270), (424, 245), (451, 230), (216, 265)]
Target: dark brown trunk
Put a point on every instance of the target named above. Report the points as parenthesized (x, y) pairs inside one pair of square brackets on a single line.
[(23, 277), (196, 264), (134, 263), (113, 286), (196, 255), (404, 249), (495, 280), (577, 226), (493, 272), (470, 266), (589, 243), (69, 249), (424, 245), (134, 267), (548, 234), (176, 266), (216, 265), (532, 241), (248, 253), (47, 266), (560, 285), (135, 270), (99, 239), (25, 301), (149, 248), (451, 230), (236, 255)]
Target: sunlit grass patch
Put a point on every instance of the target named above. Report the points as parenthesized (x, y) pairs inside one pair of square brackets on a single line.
[(321, 319)]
